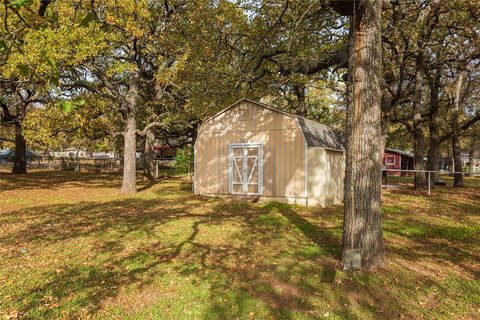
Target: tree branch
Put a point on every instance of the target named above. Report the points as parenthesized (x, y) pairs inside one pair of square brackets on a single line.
[(5, 116), (149, 127), (462, 128), (338, 58), (7, 140)]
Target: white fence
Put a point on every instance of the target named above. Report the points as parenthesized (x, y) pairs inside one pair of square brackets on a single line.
[(429, 175)]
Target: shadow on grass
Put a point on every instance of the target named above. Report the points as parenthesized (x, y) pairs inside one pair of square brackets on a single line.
[(321, 236), (243, 265), (444, 228), (57, 180), (263, 259)]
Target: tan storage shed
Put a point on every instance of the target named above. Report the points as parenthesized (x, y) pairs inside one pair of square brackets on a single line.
[(251, 149)]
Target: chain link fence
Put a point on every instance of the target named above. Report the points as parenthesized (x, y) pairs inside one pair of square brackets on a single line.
[(163, 167), (400, 178)]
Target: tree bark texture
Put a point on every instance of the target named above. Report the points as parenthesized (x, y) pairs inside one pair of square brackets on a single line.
[(362, 228), (418, 136), (455, 139), (434, 125), (301, 109), (149, 168), (20, 159), (457, 162), (129, 181)]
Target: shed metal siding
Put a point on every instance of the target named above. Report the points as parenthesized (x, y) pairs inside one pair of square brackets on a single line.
[(325, 175), (283, 149)]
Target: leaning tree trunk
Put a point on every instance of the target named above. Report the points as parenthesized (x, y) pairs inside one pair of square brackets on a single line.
[(418, 136), (20, 159), (362, 228), (148, 168)]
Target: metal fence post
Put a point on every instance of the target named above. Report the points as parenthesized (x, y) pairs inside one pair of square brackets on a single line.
[(429, 182)]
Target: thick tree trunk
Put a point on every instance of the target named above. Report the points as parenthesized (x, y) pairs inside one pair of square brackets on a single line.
[(149, 168), (20, 159), (418, 136), (457, 162), (434, 125), (456, 151), (129, 179), (129, 183), (301, 109), (432, 157), (362, 228)]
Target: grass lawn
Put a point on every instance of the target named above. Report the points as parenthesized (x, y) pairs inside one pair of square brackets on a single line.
[(72, 247)]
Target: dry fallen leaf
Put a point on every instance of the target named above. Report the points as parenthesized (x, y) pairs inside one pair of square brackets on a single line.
[(12, 315)]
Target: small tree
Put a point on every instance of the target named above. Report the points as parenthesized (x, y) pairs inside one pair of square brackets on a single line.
[(184, 159)]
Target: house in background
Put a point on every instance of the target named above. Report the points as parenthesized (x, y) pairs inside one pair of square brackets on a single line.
[(466, 163), (395, 159), (165, 152), (445, 163), (103, 154), (7, 156), (70, 153), (252, 149)]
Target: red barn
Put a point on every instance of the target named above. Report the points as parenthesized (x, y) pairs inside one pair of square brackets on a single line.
[(165, 152), (398, 160)]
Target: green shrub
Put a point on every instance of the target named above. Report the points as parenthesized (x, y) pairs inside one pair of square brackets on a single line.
[(184, 159)]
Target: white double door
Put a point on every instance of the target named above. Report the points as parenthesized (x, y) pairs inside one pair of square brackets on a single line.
[(245, 168)]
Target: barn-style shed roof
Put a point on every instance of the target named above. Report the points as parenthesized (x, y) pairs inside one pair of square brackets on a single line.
[(403, 153), (319, 135), (316, 134)]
